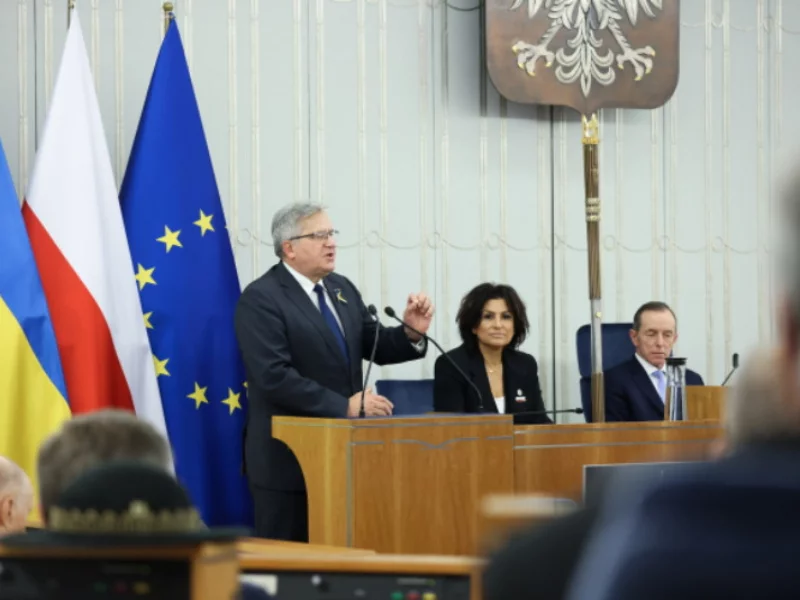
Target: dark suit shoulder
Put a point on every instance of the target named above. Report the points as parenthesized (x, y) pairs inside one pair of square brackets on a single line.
[(335, 280), (463, 356), (693, 378), (543, 558), (460, 355), (338, 280), (519, 358), (624, 368), (266, 281)]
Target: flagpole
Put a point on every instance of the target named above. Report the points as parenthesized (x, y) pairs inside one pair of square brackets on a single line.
[(168, 15), (70, 6)]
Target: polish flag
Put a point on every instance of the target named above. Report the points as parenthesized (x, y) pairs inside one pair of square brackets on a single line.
[(74, 221)]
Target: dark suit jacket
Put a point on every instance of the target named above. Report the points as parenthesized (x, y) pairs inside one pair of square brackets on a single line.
[(723, 530), (520, 373), (295, 367), (631, 395), (539, 563)]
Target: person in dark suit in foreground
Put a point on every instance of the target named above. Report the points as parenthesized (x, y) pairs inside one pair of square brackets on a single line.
[(635, 389), (539, 562), (681, 537), (493, 323), (727, 530), (303, 331), (731, 529)]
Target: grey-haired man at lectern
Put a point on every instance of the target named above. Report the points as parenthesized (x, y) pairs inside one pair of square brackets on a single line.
[(303, 331), (635, 389)]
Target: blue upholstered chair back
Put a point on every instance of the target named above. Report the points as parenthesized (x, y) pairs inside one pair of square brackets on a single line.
[(409, 396), (617, 348)]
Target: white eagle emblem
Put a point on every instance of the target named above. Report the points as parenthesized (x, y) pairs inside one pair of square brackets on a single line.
[(583, 58)]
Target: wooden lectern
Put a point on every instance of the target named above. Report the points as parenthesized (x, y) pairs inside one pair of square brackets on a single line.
[(415, 485), (400, 485)]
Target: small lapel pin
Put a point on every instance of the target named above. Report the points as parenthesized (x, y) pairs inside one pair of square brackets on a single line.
[(520, 397), (340, 297)]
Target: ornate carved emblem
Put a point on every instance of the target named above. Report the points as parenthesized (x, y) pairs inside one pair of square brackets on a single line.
[(603, 50)]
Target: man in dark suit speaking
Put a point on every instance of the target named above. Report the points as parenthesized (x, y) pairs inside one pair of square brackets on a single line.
[(303, 331), (635, 389)]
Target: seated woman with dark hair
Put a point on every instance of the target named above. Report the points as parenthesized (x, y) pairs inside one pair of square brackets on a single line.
[(493, 324)]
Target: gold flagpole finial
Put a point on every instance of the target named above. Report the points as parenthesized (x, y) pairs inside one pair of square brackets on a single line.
[(70, 6), (591, 130), (168, 14)]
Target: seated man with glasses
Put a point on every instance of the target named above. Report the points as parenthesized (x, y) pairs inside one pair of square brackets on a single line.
[(303, 331)]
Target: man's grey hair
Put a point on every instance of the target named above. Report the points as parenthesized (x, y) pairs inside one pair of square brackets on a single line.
[(754, 409), (92, 439), (286, 222)]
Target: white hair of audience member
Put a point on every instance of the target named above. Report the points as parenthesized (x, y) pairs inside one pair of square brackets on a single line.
[(16, 497)]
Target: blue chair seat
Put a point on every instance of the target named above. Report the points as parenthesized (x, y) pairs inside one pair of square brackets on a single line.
[(617, 348), (409, 396)]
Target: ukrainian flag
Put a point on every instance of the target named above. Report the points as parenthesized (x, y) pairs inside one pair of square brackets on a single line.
[(33, 397)]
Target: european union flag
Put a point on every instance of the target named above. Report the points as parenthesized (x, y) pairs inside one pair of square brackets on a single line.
[(188, 285)]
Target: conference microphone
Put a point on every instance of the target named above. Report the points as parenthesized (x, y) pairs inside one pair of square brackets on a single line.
[(390, 312), (374, 313), (733, 370), (529, 416)]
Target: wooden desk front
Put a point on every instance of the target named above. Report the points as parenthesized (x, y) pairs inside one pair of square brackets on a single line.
[(549, 459), (414, 485)]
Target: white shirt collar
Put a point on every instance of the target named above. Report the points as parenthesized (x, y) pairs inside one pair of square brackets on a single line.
[(649, 369), (305, 282)]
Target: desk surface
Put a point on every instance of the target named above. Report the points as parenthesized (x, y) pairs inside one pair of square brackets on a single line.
[(377, 563)]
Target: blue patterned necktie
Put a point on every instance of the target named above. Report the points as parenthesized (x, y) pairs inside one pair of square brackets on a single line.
[(661, 383), (330, 320)]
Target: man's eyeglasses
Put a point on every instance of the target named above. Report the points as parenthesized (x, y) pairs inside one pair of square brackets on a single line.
[(319, 236)]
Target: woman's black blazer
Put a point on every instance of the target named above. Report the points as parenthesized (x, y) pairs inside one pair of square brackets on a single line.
[(451, 393)]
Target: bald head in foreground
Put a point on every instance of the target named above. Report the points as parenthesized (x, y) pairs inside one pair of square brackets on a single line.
[(16, 497)]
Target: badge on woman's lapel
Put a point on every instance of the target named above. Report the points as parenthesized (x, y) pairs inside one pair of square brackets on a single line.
[(520, 397), (340, 296)]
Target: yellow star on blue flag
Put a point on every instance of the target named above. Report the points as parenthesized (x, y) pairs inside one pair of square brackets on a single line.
[(172, 212)]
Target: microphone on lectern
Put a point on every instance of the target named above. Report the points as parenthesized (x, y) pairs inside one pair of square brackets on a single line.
[(390, 312)]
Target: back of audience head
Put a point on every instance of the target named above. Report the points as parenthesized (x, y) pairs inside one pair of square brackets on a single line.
[(473, 306), (91, 439), (754, 411), (787, 354), (16, 497)]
